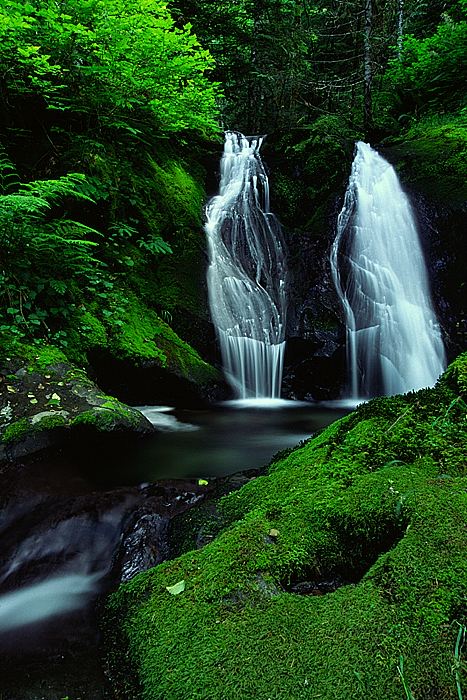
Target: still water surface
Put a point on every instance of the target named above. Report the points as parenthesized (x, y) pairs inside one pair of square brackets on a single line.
[(231, 437)]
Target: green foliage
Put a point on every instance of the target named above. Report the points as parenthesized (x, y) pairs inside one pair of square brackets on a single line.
[(123, 62), (94, 87), (320, 153), (455, 376), (427, 76), (33, 237), (432, 155)]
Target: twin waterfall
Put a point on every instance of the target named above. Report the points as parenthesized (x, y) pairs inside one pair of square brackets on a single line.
[(393, 338), (394, 341), (247, 272)]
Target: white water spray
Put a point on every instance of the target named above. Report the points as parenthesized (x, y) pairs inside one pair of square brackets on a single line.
[(47, 599), (394, 341), (247, 272)]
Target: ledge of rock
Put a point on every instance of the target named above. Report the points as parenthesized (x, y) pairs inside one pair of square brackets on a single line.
[(38, 408)]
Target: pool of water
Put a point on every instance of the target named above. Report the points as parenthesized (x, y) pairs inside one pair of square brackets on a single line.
[(233, 436)]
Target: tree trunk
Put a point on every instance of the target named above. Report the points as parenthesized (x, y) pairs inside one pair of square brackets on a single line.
[(400, 27), (367, 69)]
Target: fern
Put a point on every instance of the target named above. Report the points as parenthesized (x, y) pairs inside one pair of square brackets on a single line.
[(9, 179), (52, 191), (156, 245), (41, 252)]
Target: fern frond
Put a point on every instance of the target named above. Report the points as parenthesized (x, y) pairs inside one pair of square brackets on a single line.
[(21, 205), (9, 179), (68, 227), (70, 185)]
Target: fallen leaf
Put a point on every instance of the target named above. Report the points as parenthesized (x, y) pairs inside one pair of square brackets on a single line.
[(273, 532), (55, 397), (176, 588), (11, 390), (33, 401)]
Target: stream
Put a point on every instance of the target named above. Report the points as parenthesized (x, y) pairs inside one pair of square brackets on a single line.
[(77, 523)]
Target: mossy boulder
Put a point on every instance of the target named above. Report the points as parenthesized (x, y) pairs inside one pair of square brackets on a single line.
[(377, 502), (44, 399)]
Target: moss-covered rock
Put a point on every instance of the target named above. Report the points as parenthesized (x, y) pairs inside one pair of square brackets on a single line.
[(45, 399), (432, 158), (378, 501), (145, 361)]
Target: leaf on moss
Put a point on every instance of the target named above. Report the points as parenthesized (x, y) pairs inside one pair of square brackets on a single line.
[(176, 588)]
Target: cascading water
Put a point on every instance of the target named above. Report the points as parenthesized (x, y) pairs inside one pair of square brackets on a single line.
[(394, 341), (247, 272)]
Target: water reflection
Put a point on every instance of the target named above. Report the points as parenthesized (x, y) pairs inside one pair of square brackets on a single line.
[(220, 441)]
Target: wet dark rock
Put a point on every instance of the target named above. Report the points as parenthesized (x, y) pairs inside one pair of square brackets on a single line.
[(140, 546), (318, 587), (56, 528), (196, 527), (148, 383)]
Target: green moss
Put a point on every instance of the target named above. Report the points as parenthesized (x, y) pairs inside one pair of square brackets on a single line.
[(41, 357), (17, 431), (51, 422), (432, 156), (143, 335), (383, 491), (180, 194), (110, 416)]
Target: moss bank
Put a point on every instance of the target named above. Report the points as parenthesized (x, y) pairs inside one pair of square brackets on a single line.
[(432, 158), (379, 501), (142, 336)]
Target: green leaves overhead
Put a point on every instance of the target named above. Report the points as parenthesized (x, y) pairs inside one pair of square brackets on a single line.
[(110, 57), (428, 76)]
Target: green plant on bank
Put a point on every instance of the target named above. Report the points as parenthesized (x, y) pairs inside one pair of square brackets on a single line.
[(461, 635), (125, 62), (41, 249), (400, 669), (424, 77)]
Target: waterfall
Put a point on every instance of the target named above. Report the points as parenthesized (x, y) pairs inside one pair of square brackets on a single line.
[(394, 341), (247, 272)]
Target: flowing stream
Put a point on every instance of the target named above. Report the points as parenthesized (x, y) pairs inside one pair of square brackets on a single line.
[(394, 341), (247, 272)]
